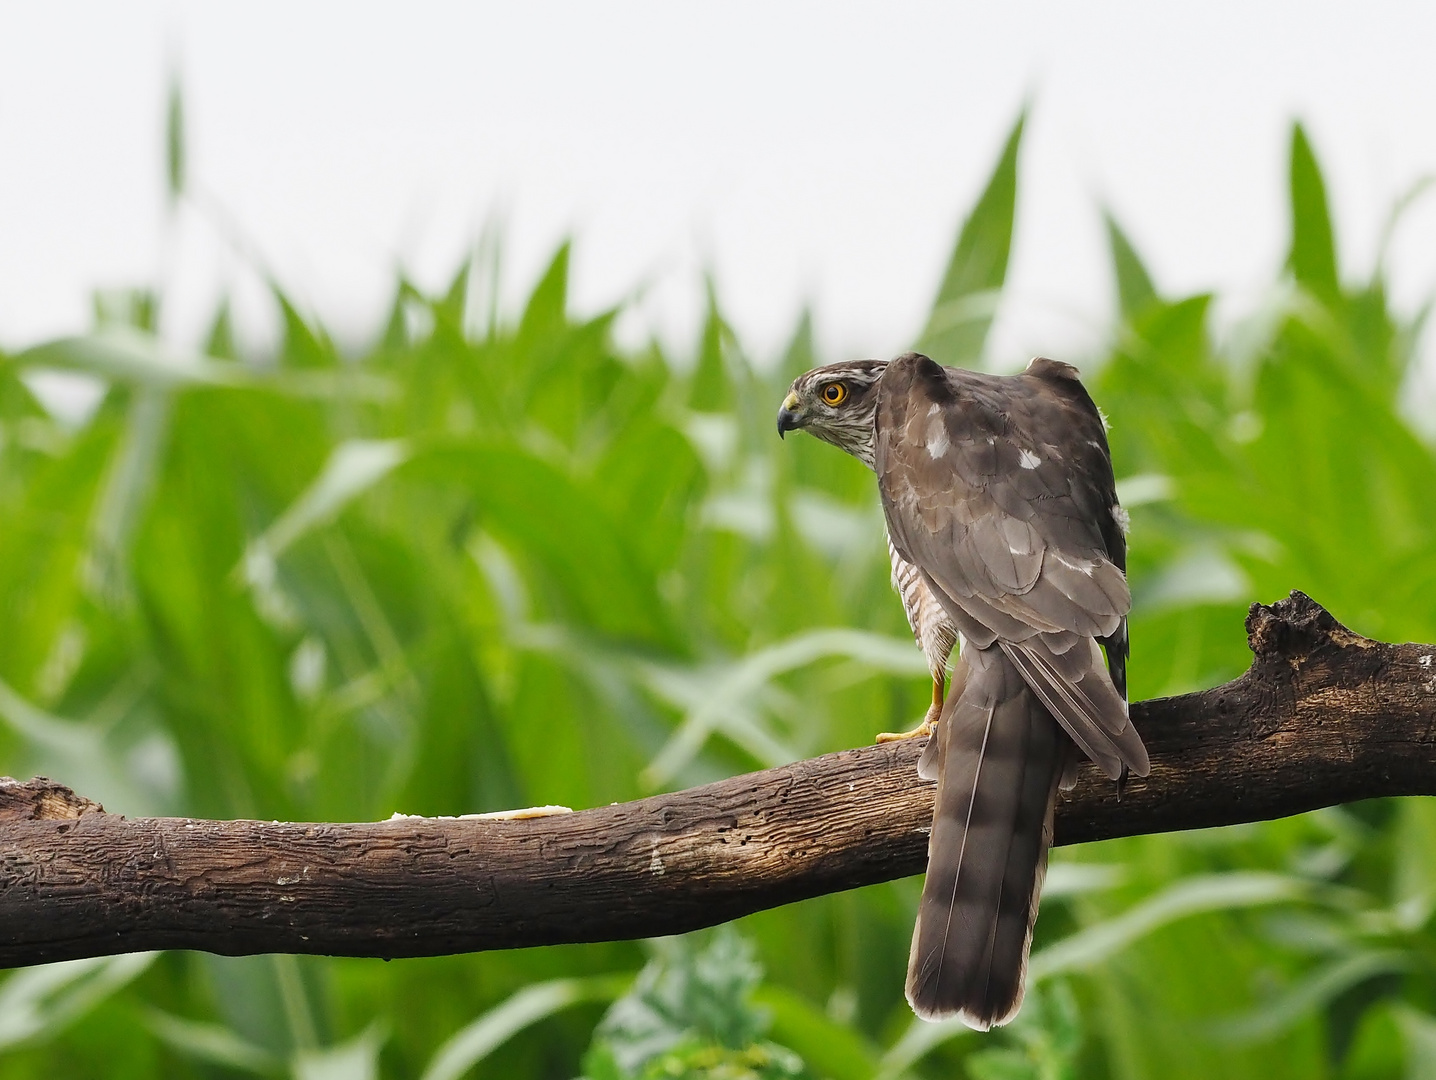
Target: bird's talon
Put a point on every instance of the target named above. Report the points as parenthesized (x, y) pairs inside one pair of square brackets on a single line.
[(921, 731)]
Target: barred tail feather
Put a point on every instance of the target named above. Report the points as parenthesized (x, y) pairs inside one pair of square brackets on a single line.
[(1000, 756)]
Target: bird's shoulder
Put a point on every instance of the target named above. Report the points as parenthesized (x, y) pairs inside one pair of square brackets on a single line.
[(1045, 405), (917, 388)]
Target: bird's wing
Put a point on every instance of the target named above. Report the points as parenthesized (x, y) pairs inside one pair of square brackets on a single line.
[(999, 489)]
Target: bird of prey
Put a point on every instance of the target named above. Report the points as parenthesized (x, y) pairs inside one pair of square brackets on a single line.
[(1005, 534)]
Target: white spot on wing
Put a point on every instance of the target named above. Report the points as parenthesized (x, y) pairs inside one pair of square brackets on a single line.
[(1122, 518), (937, 440), (934, 409), (1029, 460)]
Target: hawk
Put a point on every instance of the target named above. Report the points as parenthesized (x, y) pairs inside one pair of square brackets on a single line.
[(1005, 535)]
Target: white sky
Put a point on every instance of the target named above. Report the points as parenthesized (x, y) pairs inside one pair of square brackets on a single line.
[(818, 153)]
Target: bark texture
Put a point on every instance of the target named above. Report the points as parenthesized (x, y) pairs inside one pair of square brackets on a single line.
[(1324, 716)]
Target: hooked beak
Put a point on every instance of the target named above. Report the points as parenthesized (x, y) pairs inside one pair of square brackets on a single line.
[(789, 419)]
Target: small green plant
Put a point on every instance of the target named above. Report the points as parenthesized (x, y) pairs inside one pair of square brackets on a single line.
[(691, 1014)]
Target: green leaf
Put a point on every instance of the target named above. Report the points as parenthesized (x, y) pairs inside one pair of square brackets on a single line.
[(830, 1049), (1418, 1031), (125, 354), (479, 1038), (1193, 896), (357, 1059), (454, 305), (211, 1042), (1414, 837), (582, 555), (132, 309), (694, 995), (220, 342), (1311, 992), (547, 310), (1312, 260), (967, 299), (711, 390), (1135, 290), (801, 352), (725, 697), (39, 1002), (129, 481), (353, 467), (175, 141), (303, 346), (1377, 1050), (652, 480)]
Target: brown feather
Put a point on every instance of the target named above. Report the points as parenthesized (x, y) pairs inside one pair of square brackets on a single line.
[(999, 760)]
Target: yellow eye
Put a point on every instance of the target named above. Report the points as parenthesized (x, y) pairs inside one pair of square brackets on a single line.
[(835, 393)]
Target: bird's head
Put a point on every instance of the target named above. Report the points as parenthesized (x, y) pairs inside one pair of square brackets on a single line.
[(836, 403)]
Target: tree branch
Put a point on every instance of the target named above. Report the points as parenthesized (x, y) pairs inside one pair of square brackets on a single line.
[(1323, 716)]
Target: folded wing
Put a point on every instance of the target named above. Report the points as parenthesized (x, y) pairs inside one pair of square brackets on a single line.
[(1000, 490)]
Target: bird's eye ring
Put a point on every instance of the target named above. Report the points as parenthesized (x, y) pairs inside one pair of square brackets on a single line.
[(835, 393)]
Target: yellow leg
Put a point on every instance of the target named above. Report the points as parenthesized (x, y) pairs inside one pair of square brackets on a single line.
[(925, 728)]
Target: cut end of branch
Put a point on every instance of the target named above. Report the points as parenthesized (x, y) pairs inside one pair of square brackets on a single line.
[(1295, 629), (41, 799)]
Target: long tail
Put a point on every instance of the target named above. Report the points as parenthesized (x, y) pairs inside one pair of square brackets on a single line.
[(1000, 756)]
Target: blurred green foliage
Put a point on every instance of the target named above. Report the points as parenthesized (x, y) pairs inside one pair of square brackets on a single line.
[(690, 1013), (490, 562)]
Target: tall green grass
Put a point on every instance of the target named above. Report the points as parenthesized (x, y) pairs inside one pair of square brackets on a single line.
[(493, 560)]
